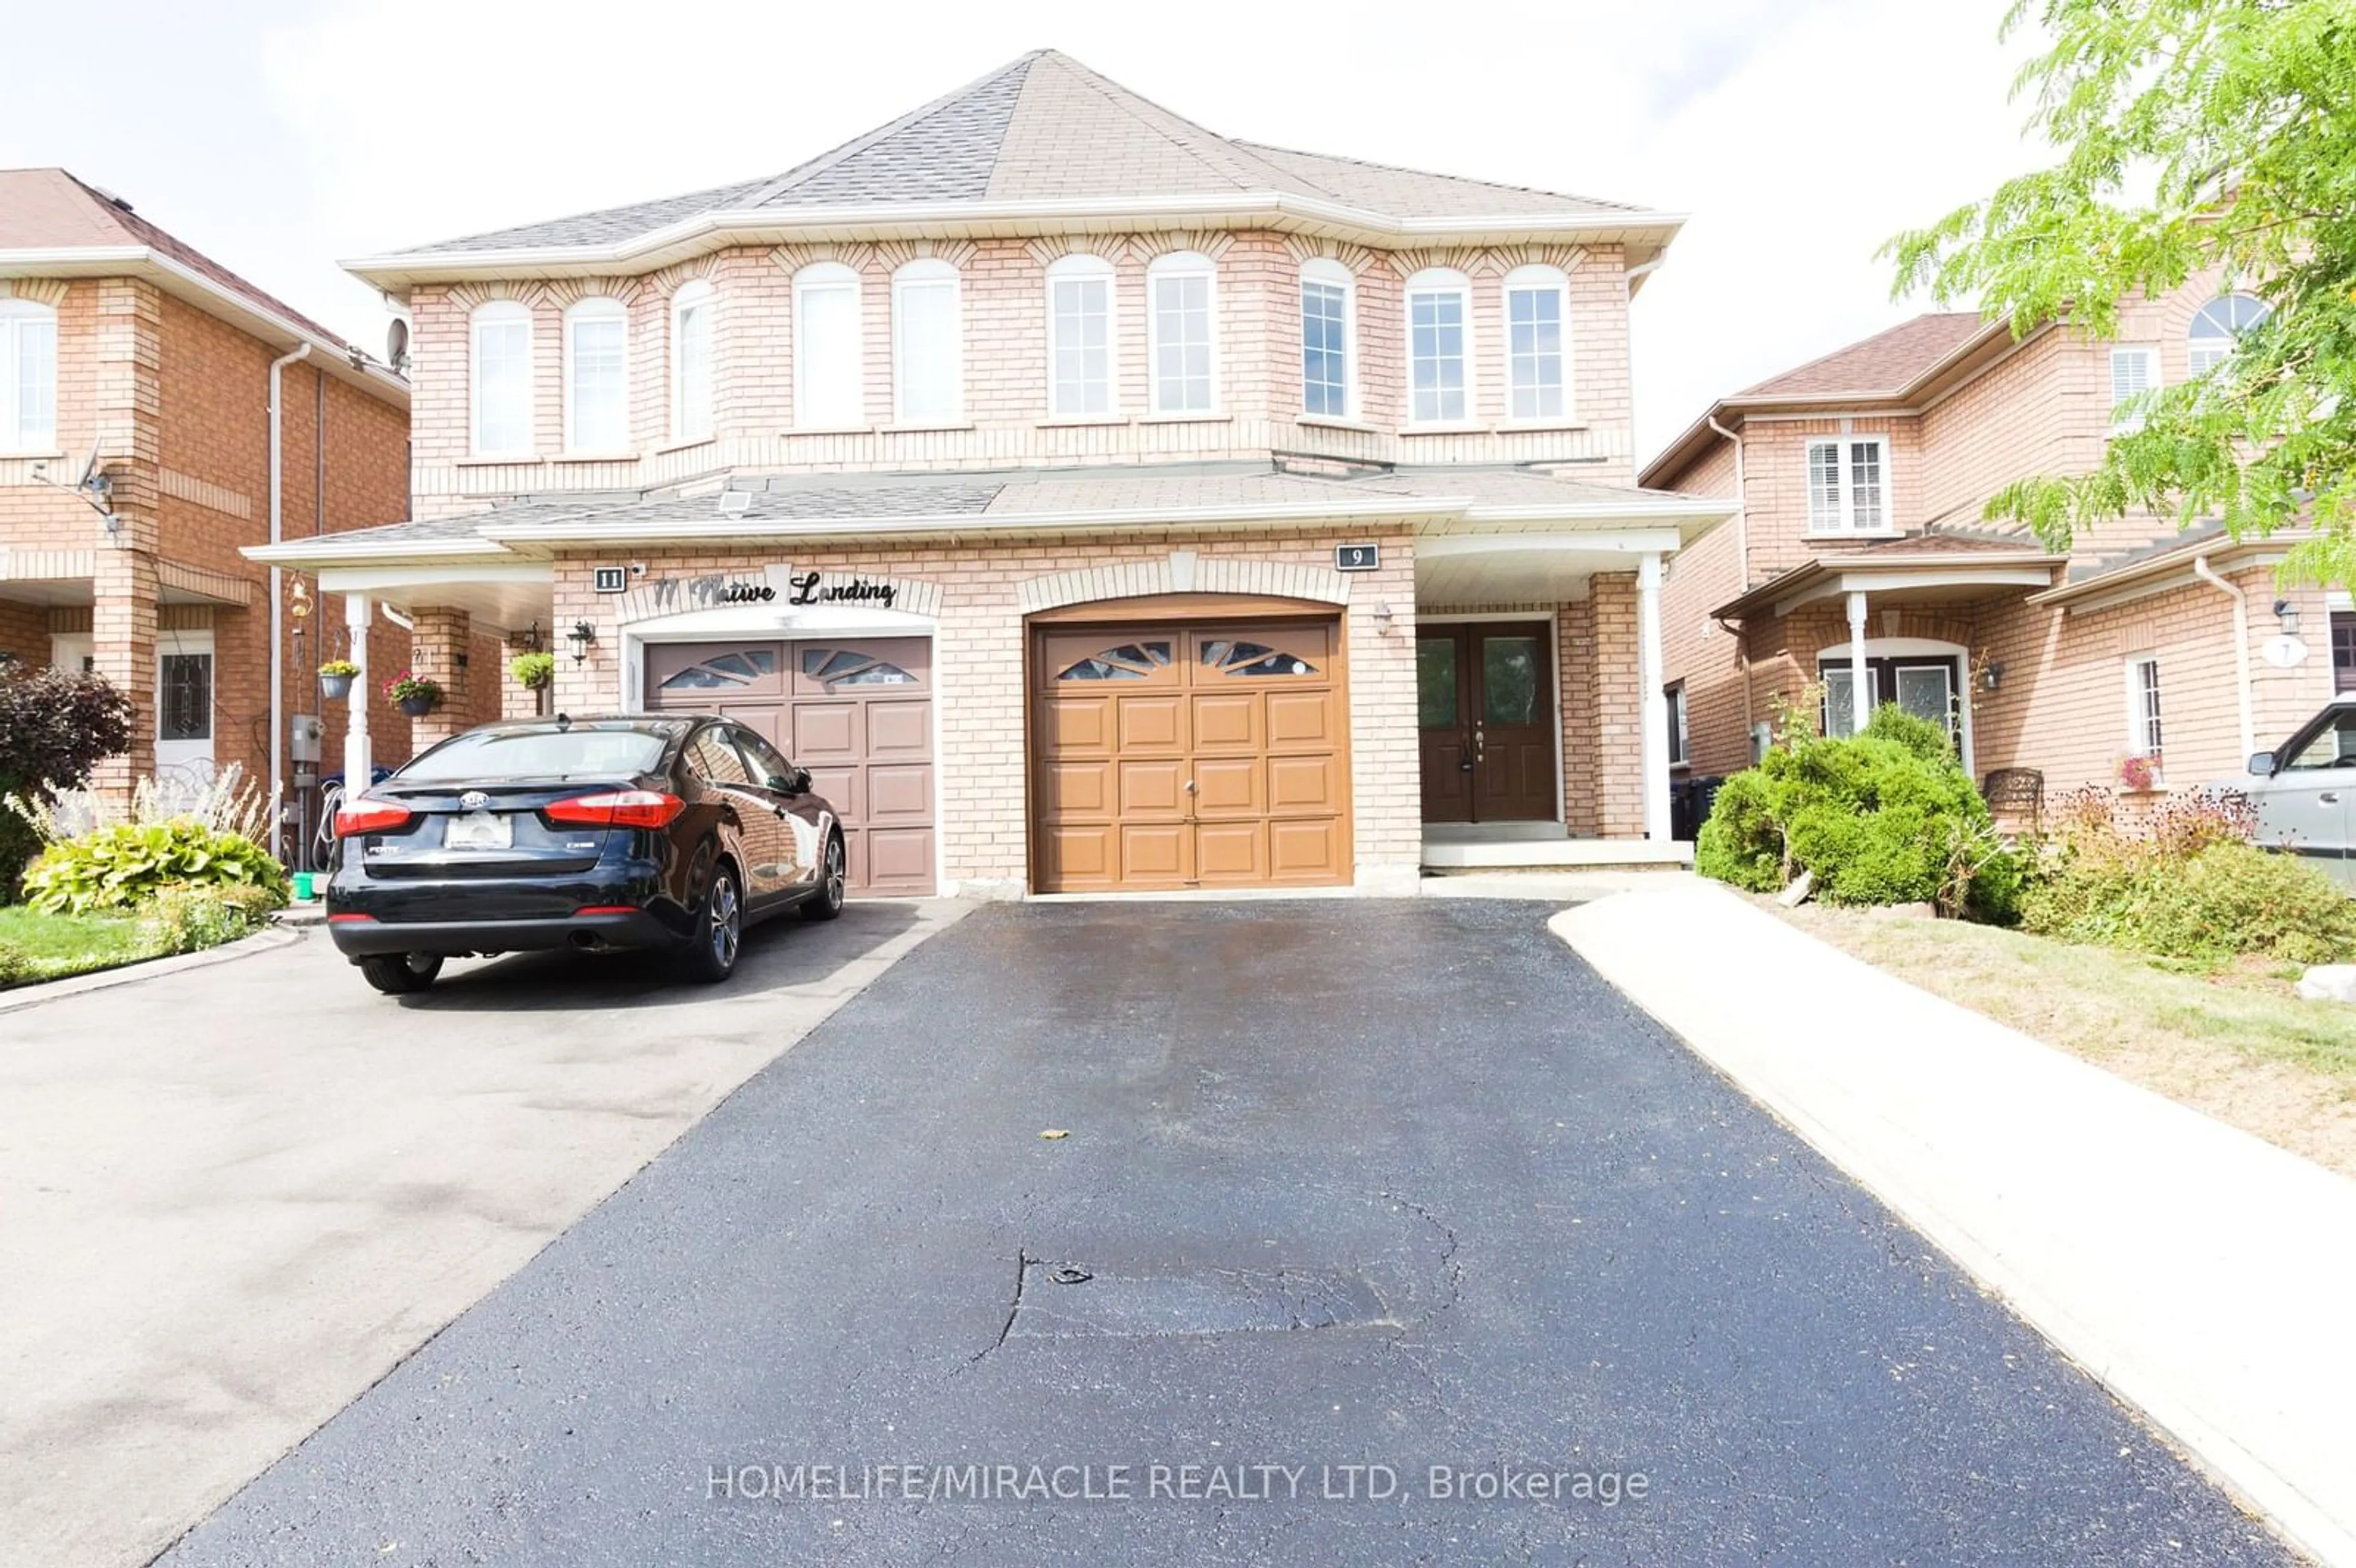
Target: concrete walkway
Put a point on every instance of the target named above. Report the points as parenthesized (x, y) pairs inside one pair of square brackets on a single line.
[(2206, 1277)]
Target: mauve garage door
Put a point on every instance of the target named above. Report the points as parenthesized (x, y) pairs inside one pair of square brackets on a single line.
[(857, 712)]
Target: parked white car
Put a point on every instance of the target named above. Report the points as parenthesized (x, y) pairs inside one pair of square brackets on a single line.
[(2305, 792)]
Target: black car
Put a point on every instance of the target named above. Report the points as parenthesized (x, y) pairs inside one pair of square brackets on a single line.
[(672, 833)]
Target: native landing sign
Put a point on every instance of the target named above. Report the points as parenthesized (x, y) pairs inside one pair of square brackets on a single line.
[(779, 585)]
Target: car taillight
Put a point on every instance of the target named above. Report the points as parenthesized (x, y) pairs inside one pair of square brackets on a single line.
[(619, 808), (365, 816)]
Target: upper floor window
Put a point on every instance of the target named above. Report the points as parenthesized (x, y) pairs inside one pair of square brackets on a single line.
[(1079, 336), (2219, 324), (1846, 490), (2135, 370), (1182, 320), (502, 375), (29, 376), (1439, 306), (691, 361), (1328, 298), (1537, 307), (596, 377), (927, 365), (826, 388)]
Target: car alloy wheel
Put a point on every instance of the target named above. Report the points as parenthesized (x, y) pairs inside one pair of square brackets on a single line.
[(827, 902), (724, 920)]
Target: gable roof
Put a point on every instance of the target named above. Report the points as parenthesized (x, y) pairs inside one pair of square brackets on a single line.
[(1046, 134), (54, 224)]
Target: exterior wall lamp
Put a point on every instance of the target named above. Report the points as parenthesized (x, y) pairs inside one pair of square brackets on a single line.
[(579, 638), (2287, 613), (1992, 674), (1382, 620)]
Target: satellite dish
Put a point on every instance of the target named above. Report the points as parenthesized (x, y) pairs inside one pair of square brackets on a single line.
[(396, 345), (89, 467)]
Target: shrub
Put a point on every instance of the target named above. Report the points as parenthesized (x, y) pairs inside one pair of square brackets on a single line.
[(121, 866), (15, 964), (55, 726), (1886, 817), (190, 917)]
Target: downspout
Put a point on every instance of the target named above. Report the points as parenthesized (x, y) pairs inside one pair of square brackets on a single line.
[(2241, 596), (1743, 570), (277, 608)]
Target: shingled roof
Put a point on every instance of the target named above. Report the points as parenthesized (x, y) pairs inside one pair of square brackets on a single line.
[(1882, 365), (1044, 128)]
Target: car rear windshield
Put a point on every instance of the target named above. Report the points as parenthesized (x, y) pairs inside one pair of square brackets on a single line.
[(579, 753)]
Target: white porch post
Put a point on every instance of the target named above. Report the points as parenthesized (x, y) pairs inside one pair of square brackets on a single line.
[(1860, 682), (1654, 702), (358, 609)]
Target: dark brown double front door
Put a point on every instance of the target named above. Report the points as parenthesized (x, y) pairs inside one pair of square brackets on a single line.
[(1484, 708)]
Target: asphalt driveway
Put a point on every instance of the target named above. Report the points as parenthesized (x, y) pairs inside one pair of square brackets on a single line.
[(1349, 1192)]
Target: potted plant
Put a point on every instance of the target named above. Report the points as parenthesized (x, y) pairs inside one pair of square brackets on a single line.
[(413, 694), (335, 677), (534, 672)]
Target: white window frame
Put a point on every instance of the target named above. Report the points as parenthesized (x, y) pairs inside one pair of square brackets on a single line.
[(1324, 272), (1441, 281), (828, 277), (1084, 269), (2146, 355), (2218, 346), (503, 314), (688, 423), (19, 321), (928, 273), (1537, 279), (1175, 267), (597, 310), (2147, 709), (1845, 501), (1680, 732)]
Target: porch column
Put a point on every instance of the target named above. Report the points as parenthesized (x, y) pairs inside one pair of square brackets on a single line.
[(437, 652), (1652, 701), (1860, 680), (358, 609)]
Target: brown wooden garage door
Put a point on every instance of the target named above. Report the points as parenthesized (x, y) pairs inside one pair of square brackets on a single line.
[(1189, 755), (857, 712)]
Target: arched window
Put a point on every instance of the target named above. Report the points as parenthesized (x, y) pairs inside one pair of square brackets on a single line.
[(502, 380), (28, 377), (1183, 322), (2220, 323), (1439, 323), (1537, 330), (597, 376), (1080, 355), (1329, 301), (828, 393), (691, 309), (928, 356)]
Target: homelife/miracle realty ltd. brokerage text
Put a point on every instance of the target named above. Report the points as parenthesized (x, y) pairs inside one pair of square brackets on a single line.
[(1227, 1482)]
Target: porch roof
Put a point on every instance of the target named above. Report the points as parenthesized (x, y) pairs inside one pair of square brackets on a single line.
[(1920, 567)]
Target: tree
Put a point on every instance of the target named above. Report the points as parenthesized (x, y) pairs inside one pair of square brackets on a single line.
[(55, 726), (2238, 118)]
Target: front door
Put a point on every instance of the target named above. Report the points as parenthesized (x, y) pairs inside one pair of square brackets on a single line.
[(1484, 714), (183, 711)]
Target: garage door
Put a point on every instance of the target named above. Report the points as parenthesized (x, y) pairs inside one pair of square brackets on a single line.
[(858, 713), (1189, 755)]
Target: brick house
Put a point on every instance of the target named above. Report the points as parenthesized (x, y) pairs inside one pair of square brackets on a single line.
[(128, 354), (1091, 501), (1858, 558)]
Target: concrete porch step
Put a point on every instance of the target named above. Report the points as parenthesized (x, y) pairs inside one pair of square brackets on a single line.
[(1526, 854)]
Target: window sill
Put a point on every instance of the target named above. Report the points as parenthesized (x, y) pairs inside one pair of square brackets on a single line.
[(1449, 427), (594, 458), (678, 446), (928, 427), (1206, 417), (32, 455), (1071, 422), (1330, 422), (1837, 536), (512, 460), (1517, 427), (832, 430)]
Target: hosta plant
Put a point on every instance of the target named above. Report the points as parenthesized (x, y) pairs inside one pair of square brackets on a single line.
[(124, 865)]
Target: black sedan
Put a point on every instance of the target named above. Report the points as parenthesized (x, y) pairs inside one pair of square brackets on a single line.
[(671, 833)]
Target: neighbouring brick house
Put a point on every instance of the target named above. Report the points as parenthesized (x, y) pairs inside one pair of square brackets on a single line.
[(1858, 558), (1090, 500), (126, 352)]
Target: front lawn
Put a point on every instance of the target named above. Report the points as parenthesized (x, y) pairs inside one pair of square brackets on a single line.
[(2232, 1041), (55, 945)]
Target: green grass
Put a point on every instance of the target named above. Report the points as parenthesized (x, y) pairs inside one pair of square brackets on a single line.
[(55, 945)]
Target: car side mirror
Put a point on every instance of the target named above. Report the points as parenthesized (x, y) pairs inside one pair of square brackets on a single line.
[(796, 781), (2262, 765)]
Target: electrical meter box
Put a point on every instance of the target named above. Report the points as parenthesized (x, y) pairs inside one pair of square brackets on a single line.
[(303, 744)]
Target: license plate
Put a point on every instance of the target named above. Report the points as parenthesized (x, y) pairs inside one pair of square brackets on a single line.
[(478, 830)]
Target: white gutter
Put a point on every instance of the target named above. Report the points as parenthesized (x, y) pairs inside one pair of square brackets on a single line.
[(404, 623), (1741, 504), (2241, 597), (277, 604)]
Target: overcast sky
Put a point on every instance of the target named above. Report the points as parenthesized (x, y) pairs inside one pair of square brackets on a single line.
[(1797, 134)]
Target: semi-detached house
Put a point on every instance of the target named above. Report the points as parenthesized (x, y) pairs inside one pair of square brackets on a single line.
[(1091, 501)]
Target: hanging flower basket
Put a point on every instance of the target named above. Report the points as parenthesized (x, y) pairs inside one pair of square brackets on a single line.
[(335, 677), (533, 672), (412, 694)]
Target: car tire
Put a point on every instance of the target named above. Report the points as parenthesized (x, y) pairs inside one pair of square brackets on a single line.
[(400, 974), (710, 956), (827, 902)]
